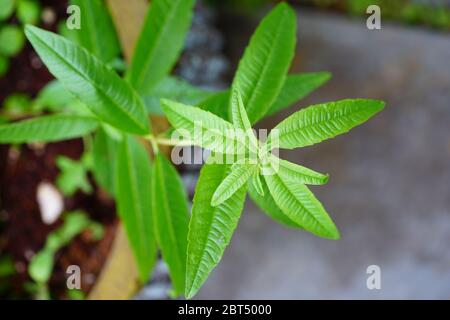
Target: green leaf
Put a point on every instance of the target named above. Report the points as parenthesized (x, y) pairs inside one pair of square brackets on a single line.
[(67, 33), (299, 204), (210, 228), (41, 265), (133, 196), (299, 174), (238, 114), (12, 40), (17, 105), (239, 175), (104, 154), (6, 9), (297, 87), (257, 184), (97, 33), (109, 97), (28, 11), (174, 89), (74, 223), (160, 42), (263, 68), (320, 122), (267, 205), (53, 97), (217, 103), (171, 215), (73, 176), (47, 129), (242, 123), (202, 128), (4, 66)]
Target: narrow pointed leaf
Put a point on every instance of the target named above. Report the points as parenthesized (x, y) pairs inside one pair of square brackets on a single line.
[(202, 128), (297, 87), (217, 103), (133, 196), (171, 215), (299, 174), (97, 33), (109, 97), (300, 205), (324, 121), (47, 129), (104, 155), (263, 68), (160, 42), (210, 228), (239, 175), (267, 205), (238, 114), (257, 184), (241, 122)]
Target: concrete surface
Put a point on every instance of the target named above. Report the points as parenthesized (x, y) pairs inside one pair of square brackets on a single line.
[(389, 191)]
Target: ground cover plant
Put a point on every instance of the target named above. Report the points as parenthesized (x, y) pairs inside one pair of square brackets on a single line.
[(111, 113)]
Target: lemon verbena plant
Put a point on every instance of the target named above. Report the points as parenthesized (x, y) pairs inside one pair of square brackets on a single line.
[(151, 199)]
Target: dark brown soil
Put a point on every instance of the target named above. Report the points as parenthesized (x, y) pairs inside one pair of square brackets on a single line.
[(22, 232), (25, 233)]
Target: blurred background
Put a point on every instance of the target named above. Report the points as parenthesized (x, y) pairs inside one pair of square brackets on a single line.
[(389, 188)]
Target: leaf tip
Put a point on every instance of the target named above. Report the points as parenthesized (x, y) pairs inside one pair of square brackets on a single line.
[(189, 294), (29, 30), (215, 201), (326, 76), (334, 233), (377, 105)]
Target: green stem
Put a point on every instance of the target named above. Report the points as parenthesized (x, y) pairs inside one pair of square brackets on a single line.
[(167, 142)]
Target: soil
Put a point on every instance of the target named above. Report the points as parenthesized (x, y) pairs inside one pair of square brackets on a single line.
[(27, 74), (22, 232)]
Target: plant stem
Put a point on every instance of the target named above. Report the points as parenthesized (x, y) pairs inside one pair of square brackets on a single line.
[(167, 142)]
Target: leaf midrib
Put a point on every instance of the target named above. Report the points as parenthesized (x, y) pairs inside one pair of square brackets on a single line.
[(92, 33), (301, 205), (197, 265), (150, 56), (289, 131), (138, 208), (213, 130), (93, 84), (169, 217), (265, 67)]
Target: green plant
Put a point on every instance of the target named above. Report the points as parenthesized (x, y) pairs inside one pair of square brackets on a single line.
[(151, 200), (73, 175), (17, 105), (6, 9), (28, 11), (41, 265), (12, 40), (4, 65)]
